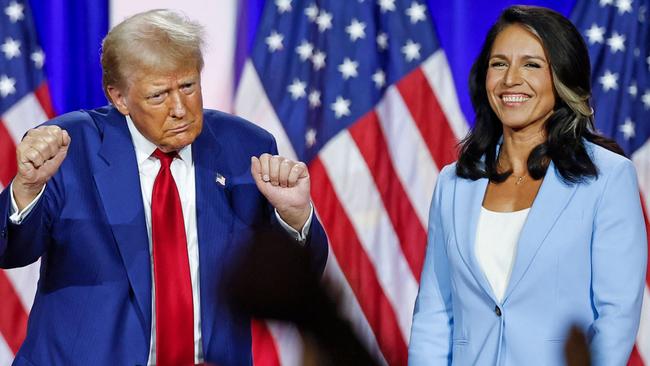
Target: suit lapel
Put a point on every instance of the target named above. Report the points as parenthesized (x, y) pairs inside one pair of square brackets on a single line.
[(213, 217), (551, 200), (117, 180), (468, 199)]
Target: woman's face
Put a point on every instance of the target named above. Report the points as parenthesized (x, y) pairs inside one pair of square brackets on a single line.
[(518, 82)]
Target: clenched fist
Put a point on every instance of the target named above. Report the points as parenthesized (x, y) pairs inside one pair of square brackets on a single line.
[(285, 183), (39, 156)]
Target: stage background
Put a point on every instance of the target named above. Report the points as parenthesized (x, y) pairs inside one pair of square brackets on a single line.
[(383, 136)]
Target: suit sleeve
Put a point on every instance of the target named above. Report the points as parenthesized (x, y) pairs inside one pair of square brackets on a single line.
[(316, 241), (316, 244), (619, 259), (431, 331), (23, 244)]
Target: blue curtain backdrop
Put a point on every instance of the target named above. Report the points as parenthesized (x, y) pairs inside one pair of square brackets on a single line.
[(71, 31)]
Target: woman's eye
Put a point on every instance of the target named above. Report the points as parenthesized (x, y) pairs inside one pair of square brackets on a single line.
[(498, 64), (533, 65)]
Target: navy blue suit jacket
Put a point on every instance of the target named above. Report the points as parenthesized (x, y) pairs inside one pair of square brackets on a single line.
[(93, 303)]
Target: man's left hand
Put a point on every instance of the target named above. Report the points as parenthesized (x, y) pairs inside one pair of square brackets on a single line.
[(285, 183)]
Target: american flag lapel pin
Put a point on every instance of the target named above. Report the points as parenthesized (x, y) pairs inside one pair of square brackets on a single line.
[(220, 179)]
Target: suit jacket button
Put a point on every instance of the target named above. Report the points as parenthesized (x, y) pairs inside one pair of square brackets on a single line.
[(3, 233), (497, 310)]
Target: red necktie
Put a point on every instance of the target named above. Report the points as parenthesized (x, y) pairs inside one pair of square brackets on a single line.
[(174, 311)]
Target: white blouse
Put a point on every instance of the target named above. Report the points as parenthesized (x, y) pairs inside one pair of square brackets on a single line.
[(497, 235)]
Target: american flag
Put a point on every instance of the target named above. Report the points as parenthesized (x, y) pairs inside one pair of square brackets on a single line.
[(617, 33), (362, 92), (24, 103)]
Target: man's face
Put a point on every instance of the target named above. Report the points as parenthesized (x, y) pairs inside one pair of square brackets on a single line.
[(166, 107)]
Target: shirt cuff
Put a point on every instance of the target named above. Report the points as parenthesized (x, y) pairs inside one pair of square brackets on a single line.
[(17, 217), (301, 235)]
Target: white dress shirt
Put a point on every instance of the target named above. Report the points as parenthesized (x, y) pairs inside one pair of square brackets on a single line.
[(497, 235), (182, 169)]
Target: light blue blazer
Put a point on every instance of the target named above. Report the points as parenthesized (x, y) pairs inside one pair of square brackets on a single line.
[(581, 259)]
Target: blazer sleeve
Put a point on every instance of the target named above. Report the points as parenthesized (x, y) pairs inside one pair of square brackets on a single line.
[(316, 241), (23, 244), (619, 259), (431, 332), (316, 244)]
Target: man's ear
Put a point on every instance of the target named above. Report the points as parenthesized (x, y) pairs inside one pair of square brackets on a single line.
[(118, 98)]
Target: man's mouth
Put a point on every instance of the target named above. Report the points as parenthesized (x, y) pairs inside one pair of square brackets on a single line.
[(180, 128)]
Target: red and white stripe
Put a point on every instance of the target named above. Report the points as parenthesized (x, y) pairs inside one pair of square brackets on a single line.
[(371, 186), (18, 286)]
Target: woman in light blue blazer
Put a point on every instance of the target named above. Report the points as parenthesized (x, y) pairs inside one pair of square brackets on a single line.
[(538, 226)]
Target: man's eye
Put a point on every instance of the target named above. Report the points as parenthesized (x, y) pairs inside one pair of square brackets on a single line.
[(188, 88), (156, 98)]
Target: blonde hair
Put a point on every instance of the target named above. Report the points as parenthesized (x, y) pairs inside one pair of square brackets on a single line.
[(158, 39)]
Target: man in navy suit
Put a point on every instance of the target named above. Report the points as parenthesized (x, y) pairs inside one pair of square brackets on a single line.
[(102, 197)]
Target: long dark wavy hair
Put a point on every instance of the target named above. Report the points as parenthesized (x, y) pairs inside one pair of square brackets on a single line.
[(571, 122)]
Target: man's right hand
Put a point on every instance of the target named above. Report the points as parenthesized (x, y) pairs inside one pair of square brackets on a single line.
[(39, 156)]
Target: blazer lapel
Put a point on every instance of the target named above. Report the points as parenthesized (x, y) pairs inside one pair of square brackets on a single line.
[(468, 199), (117, 180), (213, 217), (551, 200)]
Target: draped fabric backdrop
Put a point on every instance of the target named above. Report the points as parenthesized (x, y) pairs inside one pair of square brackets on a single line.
[(372, 94)]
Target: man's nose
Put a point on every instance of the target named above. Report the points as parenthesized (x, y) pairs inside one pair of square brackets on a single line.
[(177, 108)]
